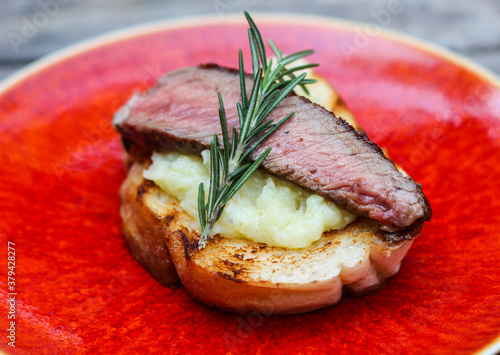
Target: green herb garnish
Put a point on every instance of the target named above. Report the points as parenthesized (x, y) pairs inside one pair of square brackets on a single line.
[(229, 169)]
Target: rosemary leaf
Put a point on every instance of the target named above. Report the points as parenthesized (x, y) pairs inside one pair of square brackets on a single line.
[(201, 205), (225, 134), (214, 176), (234, 143), (283, 93), (243, 88), (261, 129), (277, 52), (295, 56), (254, 51), (256, 164), (252, 105), (239, 171), (302, 67), (258, 40), (268, 133)]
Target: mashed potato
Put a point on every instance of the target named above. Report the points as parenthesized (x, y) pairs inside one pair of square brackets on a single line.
[(266, 209)]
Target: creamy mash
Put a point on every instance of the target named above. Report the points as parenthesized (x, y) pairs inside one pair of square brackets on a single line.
[(266, 209)]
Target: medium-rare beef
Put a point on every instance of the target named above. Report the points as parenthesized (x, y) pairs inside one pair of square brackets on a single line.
[(314, 148)]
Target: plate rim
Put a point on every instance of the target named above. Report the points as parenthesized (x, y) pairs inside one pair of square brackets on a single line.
[(145, 28), (491, 348)]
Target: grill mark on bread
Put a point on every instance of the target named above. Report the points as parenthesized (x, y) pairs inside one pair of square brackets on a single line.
[(190, 245), (145, 186), (234, 278)]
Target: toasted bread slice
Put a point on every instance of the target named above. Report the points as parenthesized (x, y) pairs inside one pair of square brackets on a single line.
[(242, 276)]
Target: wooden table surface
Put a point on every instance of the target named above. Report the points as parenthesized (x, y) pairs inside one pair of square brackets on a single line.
[(30, 29)]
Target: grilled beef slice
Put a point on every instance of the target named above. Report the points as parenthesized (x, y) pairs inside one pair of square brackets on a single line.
[(314, 148)]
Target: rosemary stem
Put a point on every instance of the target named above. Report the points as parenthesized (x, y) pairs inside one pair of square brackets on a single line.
[(257, 108), (229, 169), (234, 162), (207, 229)]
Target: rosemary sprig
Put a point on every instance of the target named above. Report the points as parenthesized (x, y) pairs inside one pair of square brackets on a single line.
[(229, 168)]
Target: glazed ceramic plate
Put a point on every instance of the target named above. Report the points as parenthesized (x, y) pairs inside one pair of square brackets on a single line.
[(80, 290)]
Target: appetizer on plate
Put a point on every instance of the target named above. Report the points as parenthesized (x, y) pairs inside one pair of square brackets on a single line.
[(294, 207)]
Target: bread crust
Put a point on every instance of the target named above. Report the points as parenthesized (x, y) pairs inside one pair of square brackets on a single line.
[(242, 276), (143, 228)]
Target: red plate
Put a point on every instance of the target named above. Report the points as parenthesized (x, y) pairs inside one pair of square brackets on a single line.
[(80, 290)]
